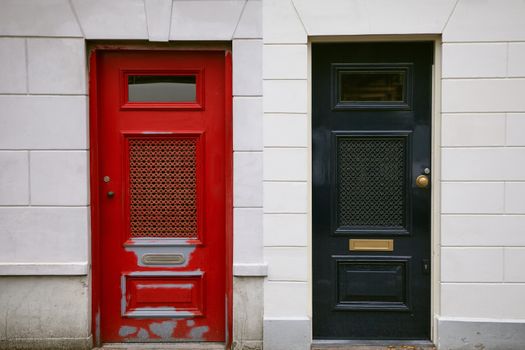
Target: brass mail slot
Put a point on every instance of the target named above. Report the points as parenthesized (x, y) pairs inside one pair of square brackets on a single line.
[(372, 245), (163, 259)]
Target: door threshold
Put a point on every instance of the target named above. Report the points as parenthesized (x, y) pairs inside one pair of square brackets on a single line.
[(163, 346), (372, 345)]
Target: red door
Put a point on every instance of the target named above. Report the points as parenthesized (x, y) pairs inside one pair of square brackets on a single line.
[(163, 172)]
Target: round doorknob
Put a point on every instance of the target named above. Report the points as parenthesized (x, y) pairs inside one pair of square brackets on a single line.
[(111, 194), (422, 181)]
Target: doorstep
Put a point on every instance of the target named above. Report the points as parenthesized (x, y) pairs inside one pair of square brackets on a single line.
[(163, 346), (372, 345)]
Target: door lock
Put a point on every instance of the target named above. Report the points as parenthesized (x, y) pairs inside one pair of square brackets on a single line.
[(111, 194)]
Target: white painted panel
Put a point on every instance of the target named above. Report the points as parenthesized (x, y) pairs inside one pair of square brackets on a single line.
[(483, 95), (38, 18), (247, 67), (247, 234), (285, 96), (14, 178), (482, 129), (250, 24), (59, 178), (516, 60), (285, 164), (158, 17), (43, 122), (515, 197), (56, 66), (488, 20), (247, 124), (205, 20), (247, 179), (115, 19), (483, 300), (287, 263), (285, 130), (473, 164), (474, 60), (514, 263), (351, 17), (285, 62), (45, 235), (281, 24), (472, 264), (285, 230), (481, 230), (13, 65), (285, 299), (472, 198), (516, 129), (285, 197)]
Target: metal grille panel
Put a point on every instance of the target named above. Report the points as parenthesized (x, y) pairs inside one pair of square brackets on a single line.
[(163, 187), (371, 181)]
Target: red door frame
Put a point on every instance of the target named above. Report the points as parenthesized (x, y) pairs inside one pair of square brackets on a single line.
[(94, 178)]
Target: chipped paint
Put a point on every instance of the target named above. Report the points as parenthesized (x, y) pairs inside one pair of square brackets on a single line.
[(140, 250), (166, 273), (172, 285), (197, 333), (164, 330), (124, 331), (97, 326), (143, 334), (190, 323)]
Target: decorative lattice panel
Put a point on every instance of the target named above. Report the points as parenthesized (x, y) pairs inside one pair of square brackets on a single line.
[(163, 187), (371, 178)]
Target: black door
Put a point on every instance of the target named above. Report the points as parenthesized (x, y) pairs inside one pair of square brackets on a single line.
[(371, 194)]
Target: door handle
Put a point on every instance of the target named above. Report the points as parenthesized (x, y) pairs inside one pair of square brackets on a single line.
[(110, 194), (422, 181)]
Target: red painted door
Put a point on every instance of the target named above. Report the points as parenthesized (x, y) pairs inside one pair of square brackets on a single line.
[(163, 172)]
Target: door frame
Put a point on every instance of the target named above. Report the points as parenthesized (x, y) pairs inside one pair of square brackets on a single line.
[(435, 236), (95, 49)]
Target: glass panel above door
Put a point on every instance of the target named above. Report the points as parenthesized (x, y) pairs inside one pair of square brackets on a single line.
[(372, 86), (162, 88)]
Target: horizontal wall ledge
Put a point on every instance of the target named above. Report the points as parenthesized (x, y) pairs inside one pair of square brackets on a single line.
[(44, 269), (250, 270)]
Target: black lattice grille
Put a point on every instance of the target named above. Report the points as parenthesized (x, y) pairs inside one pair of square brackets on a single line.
[(371, 181)]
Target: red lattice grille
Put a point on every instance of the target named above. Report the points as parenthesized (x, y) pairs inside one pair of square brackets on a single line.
[(163, 187)]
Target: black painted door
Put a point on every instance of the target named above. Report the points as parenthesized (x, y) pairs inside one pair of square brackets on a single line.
[(371, 203)]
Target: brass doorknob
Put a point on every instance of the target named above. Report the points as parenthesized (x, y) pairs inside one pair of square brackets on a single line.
[(422, 181)]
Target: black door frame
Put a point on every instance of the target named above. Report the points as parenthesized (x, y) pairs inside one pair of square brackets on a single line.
[(435, 147)]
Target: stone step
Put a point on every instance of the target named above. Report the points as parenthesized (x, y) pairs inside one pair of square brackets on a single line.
[(373, 345)]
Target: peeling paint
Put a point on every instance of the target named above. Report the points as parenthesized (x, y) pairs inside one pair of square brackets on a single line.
[(97, 326), (143, 334), (163, 329), (197, 333), (124, 331), (166, 273), (190, 323)]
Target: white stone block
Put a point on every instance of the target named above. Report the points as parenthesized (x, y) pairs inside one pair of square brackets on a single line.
[(285, 96), (50, 307), (516, 129), (59, 178), (473, 164), (489, 20), (514, 197), (44, 235), (351, 17), (285, 62), (281, 23), (285, 130), (56, 66), (483, 95), (285, 164), (472, 264), (514, 263), (503, 301), (38, 18), (247, 309), (115, 19), (285, 299), (516, 60), (13, 67), (250, 24), (287, 263), (158, 17), (514, 163), (247, 124), (248, 235), (247, 179), (285, 230), (285, 197), (43, 122), (472, 197), (481, 230), (474, 60), (247, 67), (205, 20), (14, 178), (482, 129)]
